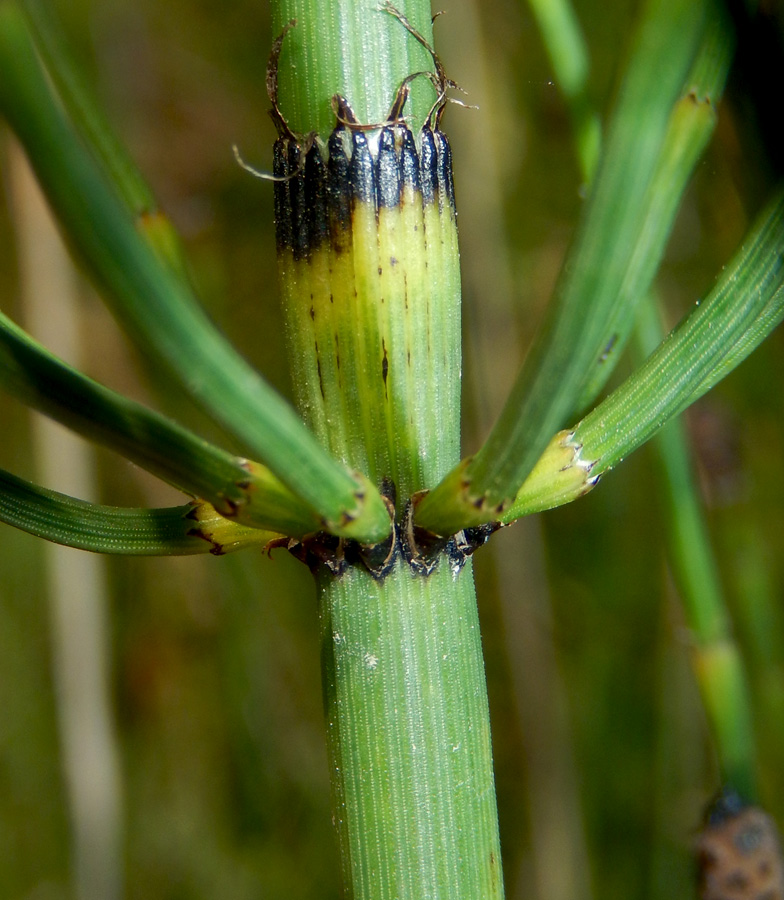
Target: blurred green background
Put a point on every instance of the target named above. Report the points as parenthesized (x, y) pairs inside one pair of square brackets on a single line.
[(603, 761)]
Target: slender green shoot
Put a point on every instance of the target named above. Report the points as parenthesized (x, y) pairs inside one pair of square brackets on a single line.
[(157, 309), (588, 291), (691, 125), (91, 122), (84, 112), (568, 53), (176, 531), (235, 486), (746, 303)]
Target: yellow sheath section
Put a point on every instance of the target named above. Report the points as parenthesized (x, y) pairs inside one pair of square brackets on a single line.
[(369, 271)]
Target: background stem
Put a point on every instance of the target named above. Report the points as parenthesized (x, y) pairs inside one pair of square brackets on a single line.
[(76, 582), (715, 655)]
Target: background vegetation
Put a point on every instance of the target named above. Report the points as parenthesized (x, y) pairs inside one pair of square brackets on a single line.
[(602, 757)]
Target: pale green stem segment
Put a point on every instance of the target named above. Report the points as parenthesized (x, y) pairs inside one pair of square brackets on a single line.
[(715, 653), (408, 736), (176, 531), (157, 308), (364, 54), (238, 488), (591, 287), (744, 306), (568, 54)]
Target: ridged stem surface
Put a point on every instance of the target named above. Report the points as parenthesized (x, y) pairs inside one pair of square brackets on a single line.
[(408, 735), (354, 48)]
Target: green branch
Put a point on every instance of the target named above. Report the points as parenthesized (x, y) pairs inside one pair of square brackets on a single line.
[(746, 303), (156, 307), (90, 121), (675, 375), (589, 291), (236, 487), (176, 531), (690, 128)]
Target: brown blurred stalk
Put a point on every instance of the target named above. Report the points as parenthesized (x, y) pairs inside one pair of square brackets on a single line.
[(75, 579)]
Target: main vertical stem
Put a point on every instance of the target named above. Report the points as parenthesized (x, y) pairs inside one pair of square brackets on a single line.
[(408, 736), (369, 271)]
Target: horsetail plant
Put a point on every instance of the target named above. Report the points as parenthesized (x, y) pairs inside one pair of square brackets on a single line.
[(364, 482)]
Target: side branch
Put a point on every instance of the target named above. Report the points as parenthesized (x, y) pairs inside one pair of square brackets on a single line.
[(158, 308), (175, 531), (236, 487), (610, 263), (745, 305)]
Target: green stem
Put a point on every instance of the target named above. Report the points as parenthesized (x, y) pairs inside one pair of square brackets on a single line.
[(173, 531), (367, 250), (408, 736), (364, 54), (716, 658)]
